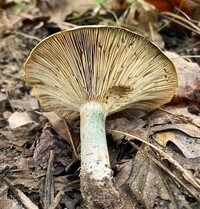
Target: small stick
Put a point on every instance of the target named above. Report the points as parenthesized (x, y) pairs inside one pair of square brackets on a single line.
[(27, 35), (71, 141), (49, 186), (57, 200), (179, 116), (20, 195)]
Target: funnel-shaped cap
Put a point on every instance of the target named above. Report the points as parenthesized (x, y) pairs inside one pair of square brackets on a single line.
[(110, 65)]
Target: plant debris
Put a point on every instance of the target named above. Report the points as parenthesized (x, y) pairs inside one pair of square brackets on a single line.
[(155, 157)]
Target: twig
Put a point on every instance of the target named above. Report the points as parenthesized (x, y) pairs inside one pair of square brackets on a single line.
[(111, 12), (57, 200), (20, 195), (187, 16), (179, 116), (182, 21), (188, 47), (60, 194), (72, 141), (49, 187), (27, 35)]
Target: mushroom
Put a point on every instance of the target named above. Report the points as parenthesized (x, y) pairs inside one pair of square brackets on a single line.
[(96, 71)]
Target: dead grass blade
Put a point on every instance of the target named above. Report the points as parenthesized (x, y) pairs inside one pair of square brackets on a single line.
[(182, 21), (49, 187)]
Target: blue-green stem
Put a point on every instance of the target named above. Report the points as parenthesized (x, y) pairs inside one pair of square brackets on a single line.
[(94, 151)]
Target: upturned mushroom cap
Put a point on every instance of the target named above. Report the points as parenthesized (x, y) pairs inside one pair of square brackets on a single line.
[(111, 65)]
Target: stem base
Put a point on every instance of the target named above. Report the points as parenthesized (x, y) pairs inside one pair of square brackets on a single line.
[(98, 194)]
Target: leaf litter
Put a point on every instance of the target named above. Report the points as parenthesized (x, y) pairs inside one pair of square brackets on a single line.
[(155, 157)]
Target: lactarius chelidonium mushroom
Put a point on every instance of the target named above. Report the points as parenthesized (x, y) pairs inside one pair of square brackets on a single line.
[(95, 71)]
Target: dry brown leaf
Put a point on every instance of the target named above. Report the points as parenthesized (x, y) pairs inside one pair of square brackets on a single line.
[(175, 128), (30, 183), (124, 173), (10, 19), (189, 7), (151, 187), (188, 73), (6, 203), (131, 126), (48, 141), (22, 127), (60, 183), (19, 119), (27, 103), (58, 10), (188, 129), (59, 125), (188, 93), (143, 16), (62, 128), (170, 5), (13, 139), (189, 146), (183, 114)]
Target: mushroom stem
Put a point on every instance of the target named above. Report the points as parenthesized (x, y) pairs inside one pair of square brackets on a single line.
[(94, 151), (96, 175)]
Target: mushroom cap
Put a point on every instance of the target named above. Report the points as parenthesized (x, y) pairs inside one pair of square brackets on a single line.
[(109, 65)]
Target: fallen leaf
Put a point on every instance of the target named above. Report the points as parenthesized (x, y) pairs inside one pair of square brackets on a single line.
[(188, 93), (18, 119), (6, 203), (48, 141), (187, 163), (124, 173), (59, 10), (184, 112), (189, 129), (170, 5), (10, 19), (153, 189), (188, 145), (142, 16), (30, 183), (60, 183), (179, 129), (133, 126), (27, 103), (71, 200), (23, 126), (188, 72), (13, 139), (61, 127)]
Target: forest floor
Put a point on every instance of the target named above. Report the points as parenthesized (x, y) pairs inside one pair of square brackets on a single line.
[(39, 152)]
